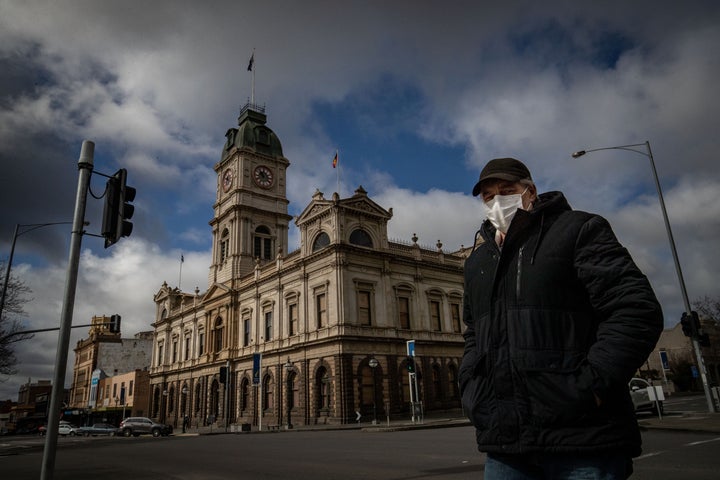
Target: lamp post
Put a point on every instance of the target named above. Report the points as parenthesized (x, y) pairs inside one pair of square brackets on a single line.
[(17, 233), (683, 290), (373, 365), (290, 395)]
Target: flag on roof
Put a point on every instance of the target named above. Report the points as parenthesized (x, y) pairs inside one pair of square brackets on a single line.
[(335, 159), (251, 62)]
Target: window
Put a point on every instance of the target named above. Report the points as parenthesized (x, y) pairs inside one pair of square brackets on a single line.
[(435, 318), (267, 393), (361, 237), (322, 389), (174, 350), (453, 382), (292, 319), (262, 243), (160, 353), (321, 310), (130, 388), (187, 348), (201, 342), (268, 326), (455, 311), (224, 245), (437, 384), (366, 386), (218, 334), (246, 332), (321, 241), (404, 312), (364, 307), (244, 394), (115, 390)]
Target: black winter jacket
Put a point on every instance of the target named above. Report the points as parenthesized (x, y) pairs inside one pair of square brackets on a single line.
[(561, 315)]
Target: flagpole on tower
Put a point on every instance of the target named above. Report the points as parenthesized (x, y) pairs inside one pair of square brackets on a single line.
[(337, 169), (182, 260), (251, 68)]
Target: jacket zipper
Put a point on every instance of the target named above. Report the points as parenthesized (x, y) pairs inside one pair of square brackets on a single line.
[(519, 273)]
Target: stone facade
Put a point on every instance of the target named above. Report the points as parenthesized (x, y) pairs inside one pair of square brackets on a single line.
[(329, 321)]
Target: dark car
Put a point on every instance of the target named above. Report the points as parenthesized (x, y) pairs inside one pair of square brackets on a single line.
[(97, 429), (135, 426)]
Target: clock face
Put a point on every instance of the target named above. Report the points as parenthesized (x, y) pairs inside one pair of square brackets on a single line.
[(263, 177), (227, 180)]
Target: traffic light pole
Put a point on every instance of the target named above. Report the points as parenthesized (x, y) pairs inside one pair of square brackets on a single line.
[(85, 165)]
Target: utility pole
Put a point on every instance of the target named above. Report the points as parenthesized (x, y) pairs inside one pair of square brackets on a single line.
[(85, 165)]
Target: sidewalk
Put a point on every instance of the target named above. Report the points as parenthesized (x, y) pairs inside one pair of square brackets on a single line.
[(678, 421), (687, 421)]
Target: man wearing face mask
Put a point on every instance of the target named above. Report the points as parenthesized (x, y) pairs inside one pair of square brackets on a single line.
[(558, 320)]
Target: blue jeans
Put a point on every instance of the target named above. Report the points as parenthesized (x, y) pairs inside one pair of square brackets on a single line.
[(601, 466)]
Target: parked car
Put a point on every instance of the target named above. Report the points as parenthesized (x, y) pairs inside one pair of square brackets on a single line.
[(135, 426), (98, 429), (67, 429), (641, 398)]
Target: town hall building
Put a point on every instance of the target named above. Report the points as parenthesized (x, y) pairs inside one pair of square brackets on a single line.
[(318, 335)]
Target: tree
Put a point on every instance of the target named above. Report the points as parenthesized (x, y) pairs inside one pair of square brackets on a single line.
[(708, 308), (16, 296)]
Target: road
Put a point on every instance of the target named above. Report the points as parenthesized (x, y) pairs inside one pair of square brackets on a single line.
[(444, 453), (440, 453)]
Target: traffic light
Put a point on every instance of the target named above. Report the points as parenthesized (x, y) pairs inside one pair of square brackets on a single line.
[(223, 375), (115, 323), (704, 340), (118, 209), (688, 327), (410, 364)]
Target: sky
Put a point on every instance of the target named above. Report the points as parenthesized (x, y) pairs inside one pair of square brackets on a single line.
[(416, 96)]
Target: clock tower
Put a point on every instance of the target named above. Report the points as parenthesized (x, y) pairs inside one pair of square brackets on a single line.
[(250, 222)]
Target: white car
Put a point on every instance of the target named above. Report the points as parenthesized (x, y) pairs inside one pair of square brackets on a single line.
[(67, 429), (641, 397)]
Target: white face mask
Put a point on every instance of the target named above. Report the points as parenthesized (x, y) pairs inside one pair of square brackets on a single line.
[(502, 208)]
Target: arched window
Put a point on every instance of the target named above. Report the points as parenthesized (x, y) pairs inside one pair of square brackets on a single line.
[(218, 333), (171, 400), (214, 400), (321, 241), (224, 245), (197, 397), (267, 393), (453, 380), (361, 238), (244, 394), (262, 244), (437, 382), (291, 390), (366, 386), (322, 389)]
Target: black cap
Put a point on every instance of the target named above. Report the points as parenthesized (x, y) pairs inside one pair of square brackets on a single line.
[(509, 169)]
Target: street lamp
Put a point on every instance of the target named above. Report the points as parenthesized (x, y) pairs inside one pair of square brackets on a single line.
[(683, 290), (18, 232), (290, 395), (373, 365)]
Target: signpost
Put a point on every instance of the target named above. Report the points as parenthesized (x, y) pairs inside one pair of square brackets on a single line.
[(257, 365)]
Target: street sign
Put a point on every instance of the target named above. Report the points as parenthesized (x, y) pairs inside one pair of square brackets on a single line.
[(357, 419), (664, 360), (257, 359), (411, 348)]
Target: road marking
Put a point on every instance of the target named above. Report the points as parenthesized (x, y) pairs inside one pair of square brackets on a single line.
[(692, 444), (648, 455)]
